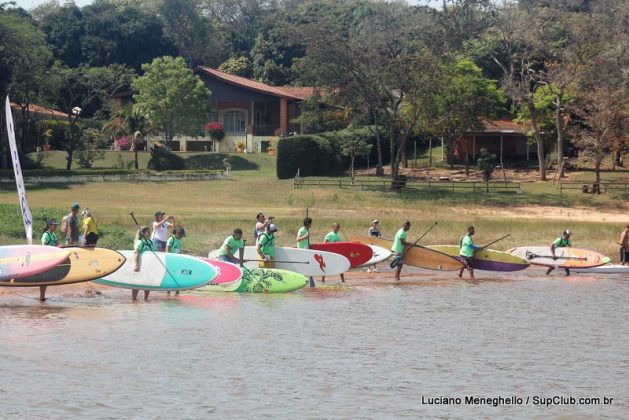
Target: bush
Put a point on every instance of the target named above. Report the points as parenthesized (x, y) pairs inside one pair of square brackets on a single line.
[(312, 155), (123, 143), (164, 160)]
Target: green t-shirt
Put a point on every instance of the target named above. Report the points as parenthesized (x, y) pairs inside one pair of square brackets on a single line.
[(174, 245), (306, 242), (233, 244), (143, 245), (467, 246), (333, 237), (267, 244), (49, 238), (397, 246), (561, 242)]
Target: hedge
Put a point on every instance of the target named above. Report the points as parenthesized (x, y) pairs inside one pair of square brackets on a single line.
[(310, 154)]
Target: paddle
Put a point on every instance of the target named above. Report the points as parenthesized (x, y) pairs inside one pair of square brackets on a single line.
[(280, 261), (491, 243), (531, 255), (151, 249), (312, 282), (396, 259)]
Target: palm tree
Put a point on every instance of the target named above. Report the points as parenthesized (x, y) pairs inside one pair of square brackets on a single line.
[(131, 121)]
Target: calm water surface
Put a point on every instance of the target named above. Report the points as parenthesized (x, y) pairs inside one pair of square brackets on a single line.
[(368, 350)]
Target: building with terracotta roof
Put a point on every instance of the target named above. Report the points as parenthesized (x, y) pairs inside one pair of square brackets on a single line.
[(507, 139)]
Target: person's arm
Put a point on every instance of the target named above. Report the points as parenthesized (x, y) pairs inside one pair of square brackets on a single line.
[(259, 246), (169, 244), (326, 239), (241, 253), (136, 258), (85, 227), (552, 251), (301, 238)]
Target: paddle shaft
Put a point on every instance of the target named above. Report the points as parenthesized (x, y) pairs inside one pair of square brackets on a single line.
[(491, 243), (565, 258), (312, 282), (280, 261), (151, 249), (418, 239)]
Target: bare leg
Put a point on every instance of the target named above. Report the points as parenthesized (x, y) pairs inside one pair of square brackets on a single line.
[(146, 294), (550, 269), (567, 271), (398, 270), (471, 270), (134, 294), (42, 293), (342, 278), (323, 279), (461, 271)]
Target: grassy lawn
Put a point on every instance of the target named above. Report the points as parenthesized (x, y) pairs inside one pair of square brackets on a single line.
[(210, 210)]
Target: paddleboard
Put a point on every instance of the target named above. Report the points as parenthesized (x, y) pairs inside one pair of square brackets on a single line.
[(567, 257), (221, 287), (488, 259), (271, 280), (308, 262), (379, 254), (227, 272), (603, 269), (83, 264), (355, 252), (418, 256), (161, 271), (26, 260)]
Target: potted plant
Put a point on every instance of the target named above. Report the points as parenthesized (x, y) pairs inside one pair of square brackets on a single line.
[(240, 147), (272, 150), (47, 136), (216, 132)]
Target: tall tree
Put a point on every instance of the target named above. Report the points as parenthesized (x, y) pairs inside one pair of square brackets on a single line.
[(175, 100)]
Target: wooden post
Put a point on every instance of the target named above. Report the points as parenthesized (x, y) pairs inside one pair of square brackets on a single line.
[(430, 151)]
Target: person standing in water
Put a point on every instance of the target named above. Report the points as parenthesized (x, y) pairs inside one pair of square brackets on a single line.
[(333, 236), (266, 247), (561, 242), (173, 244), (48, 238), (160, 230), (398, 247), (142, 244), (374, 231), (467, 252), (261, 224)]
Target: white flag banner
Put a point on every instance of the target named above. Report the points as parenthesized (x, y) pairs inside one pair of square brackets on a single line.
[(17, 169)]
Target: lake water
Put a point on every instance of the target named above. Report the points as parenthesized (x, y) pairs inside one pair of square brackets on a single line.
[(367, 350)]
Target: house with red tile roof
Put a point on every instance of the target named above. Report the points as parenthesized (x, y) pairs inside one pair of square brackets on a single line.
[(505, 138)]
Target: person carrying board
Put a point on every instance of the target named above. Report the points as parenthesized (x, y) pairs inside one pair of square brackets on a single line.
[(467, 252), (333, 236), (399, 244), (303, 239), (624, 246), (173, 244), (374, 231), (266, 246), (232, 244), (561, 242), (142, 244)]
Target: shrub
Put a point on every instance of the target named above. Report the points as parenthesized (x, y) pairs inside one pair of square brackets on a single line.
[(312, 155), (215, 130), (123, 143), (164, 160)]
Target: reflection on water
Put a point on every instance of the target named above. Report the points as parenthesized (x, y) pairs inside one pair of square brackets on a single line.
[(368, 349)]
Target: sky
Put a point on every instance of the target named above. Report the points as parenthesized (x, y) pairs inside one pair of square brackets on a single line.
[(29, 4)]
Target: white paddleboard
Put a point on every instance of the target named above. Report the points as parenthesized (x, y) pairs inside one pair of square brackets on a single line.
[(221, 287), (379, 254), (603, 269), (307, 262)]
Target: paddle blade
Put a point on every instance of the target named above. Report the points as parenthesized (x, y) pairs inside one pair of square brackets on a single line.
[(530, 255)]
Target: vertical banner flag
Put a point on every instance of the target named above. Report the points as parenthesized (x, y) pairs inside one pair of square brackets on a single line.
[(19, 181)]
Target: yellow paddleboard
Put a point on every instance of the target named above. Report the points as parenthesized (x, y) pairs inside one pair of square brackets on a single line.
[(83, 264), (417, 256)]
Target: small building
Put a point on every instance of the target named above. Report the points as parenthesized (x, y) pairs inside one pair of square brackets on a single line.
[(505, 138)]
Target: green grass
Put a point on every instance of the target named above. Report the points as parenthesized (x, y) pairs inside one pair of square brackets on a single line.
[(211, 210)]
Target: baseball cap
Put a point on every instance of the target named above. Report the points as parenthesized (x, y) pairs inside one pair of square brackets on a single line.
[(181, 231), (567, 232), (51, 222), (272, 228), (375, 221), (159, 213), (75, 206)]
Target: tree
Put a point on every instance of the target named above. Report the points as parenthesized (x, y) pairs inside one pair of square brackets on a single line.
[(175, 100), (487, 163), (240, 66), (354, 146), (131, 121)]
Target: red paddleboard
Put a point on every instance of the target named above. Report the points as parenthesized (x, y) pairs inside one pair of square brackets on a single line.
[(356, 253), (227, 272)]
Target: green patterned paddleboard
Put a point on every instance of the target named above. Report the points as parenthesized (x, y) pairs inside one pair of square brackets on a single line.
[(270, 280)]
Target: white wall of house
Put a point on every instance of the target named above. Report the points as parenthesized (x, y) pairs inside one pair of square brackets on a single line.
[(253, 144)]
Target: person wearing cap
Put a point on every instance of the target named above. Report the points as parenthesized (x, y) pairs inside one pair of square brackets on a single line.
[(50, 239), (466, 252), (232, 244), (160, 230), (266, 246), (261, 224), (142, 244), (374, 231), (90, 231), (70, 225), (333, 236), (561, 242), (399, 244)]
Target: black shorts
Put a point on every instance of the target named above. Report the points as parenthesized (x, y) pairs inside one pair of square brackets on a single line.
[(91, 239), (467, 261), (624, 255)]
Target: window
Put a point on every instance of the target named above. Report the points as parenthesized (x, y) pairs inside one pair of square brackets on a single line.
[(234, 122)]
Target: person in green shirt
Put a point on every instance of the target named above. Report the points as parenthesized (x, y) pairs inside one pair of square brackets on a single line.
[(50, 239), (232, 244), (303, 240), (467, 252), (561, 242), (333, 236), (173, 244), (399, 244), (142, 244), (266, 246)]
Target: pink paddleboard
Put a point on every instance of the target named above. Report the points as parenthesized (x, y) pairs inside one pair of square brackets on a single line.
[(27, 260), (227, 272)]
